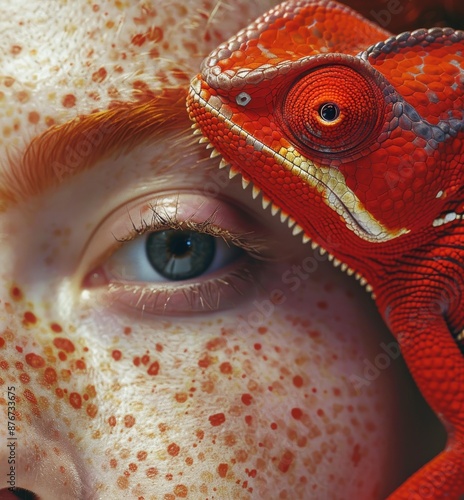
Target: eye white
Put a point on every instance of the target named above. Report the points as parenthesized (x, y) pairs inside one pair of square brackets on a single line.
[(243, 99)]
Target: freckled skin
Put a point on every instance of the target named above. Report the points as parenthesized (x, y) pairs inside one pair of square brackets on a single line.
[(256, 401)]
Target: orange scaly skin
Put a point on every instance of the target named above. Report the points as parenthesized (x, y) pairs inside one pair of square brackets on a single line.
[(360, 143)]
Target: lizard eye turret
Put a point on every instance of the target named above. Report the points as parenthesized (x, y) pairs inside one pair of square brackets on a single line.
[(333, 109)]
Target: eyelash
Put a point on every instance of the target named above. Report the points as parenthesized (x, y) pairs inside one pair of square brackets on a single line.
[(221, 290)]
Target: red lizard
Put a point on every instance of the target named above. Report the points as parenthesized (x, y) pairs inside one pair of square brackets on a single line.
[(359, 143)]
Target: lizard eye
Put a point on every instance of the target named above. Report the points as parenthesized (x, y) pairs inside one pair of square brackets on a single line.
[(333, 109)]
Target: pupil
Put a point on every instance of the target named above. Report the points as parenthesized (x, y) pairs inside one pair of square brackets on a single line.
[(179, 244), (329, 112)]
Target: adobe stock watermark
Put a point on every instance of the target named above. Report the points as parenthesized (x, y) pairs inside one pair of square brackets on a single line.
[(383, 17)]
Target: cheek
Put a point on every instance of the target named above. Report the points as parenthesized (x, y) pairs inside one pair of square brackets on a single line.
[(268, 400)]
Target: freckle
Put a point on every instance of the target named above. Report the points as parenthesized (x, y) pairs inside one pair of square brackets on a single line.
[(153, 369), (117, 355), (286, 461), (59, 392), (200, 434), (132, 467), (69, 101), (19, 348), (181, 397), (217, 419), (16, 49), (189, 461), (159, 347), (296, 413), (145, 359), (127, 330), (8, 81), (113, 463), (257, 347), (123, 482), (141, 455), (129, 420), (204, 362), (24, 378), (29, 318), (356, 456), (181, 491), (29, 395), (322, 304), (112, 421), (22, 96), (33, 117), (248, 419), (273, 426), (75, 400), (55, 327), (262, 330), (91, 410), (216, 344), (2, 342), (152, 472), (320, 412), (16, 293), (247, 399), (80, 364), (297, 381), (100, 75), (136, 361), (64, 344), (225, 367), (173, 449), (62, 356), (34, 360)]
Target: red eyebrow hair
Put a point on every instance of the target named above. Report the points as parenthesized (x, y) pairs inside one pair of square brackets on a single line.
[(65, 150)]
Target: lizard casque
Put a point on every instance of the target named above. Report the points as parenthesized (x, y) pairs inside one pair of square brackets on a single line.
[(356, 138)]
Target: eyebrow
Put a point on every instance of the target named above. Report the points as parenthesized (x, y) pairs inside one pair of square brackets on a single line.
[(65, 150)]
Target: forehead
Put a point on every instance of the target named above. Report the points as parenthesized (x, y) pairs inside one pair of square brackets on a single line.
[(64, 58)]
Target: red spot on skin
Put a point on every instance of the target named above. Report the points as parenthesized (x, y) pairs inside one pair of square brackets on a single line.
[(2, 342), (100, 75), (204, 362), (152, 472), (225, 367), (55, 327), (142, 455), (181, 491), (356, 455), (248, 419), (50, 376), (273, 426), (257, 347), (122, 482), (69, 101), (117, 355), (19, 365), (262, 330), (24, 378), (159, 347), (217, 419), (136, 361), (173, 449), (153, 369), (127, 330), (91, 410), (320, 412), (64, 344), (33, 117), (62, 356), (112, 421), (200, 434), (296, 413), (145, 359), (139, 39), (75, 400), (129, 420), (222, 470), (297, 381), (19, 348), (80, 365), (322, 304), (132, 467), (29, 318), (16, 49), (247, 399), (16, 293), (29, 395), (286, 461), (216, 344), (113, 463), (181, 397), (59, 392), (34, 360)]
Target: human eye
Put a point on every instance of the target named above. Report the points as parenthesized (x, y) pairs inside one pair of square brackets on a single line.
[(175, 254)]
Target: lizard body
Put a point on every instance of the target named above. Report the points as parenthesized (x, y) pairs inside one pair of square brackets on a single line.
[(358, 142)]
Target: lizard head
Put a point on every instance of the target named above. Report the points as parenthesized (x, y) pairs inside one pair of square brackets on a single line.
[(358, 140)]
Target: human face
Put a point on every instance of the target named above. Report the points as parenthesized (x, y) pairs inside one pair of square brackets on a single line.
[(248, 379)]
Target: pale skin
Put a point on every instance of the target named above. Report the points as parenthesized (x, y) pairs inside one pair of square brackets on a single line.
[(130, 385)]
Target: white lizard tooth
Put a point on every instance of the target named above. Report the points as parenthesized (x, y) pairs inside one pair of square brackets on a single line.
[(196, 131), (214, 153), (223, 164), (350, 271), (297, 230), (245, 183), (344, 267), (363, 281), (283, 217), (274, 209), (291, 222), (255, 192), (368, 288), (203, 139), (265, 201), (322, 251), (314, 245), (330, 257), (209, 146), (306, 238), (337, 262), (233, 173)]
